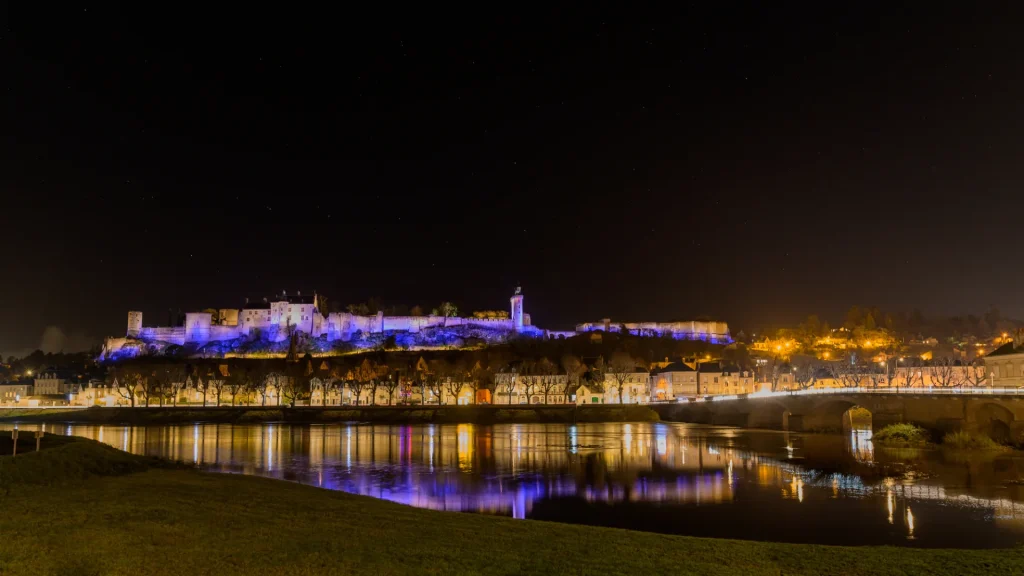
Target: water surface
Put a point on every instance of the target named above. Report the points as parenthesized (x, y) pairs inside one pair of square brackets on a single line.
[(663, 477)]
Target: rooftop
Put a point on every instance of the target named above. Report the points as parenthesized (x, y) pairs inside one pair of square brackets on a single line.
[(1007, 349), (676, 367)]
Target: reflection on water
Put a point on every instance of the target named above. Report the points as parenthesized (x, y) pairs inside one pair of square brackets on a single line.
[(673, 478)]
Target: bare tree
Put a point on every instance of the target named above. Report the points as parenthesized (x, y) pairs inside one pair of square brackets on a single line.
[(173, 377), (434, 379), (198, 384), (877, 375), (944, 372), (126, 382), (391, 385), (479, 378), (259, 380), (296, 381), (366, 377), (910, 376), (775, 374), (453, 385), (148, 387), (847, 372), (235, 381), (620, 367), (330, 379), (573, 367), (214, 382), (329, 384), (548, 385), (805, 376), (974, 373), (542, 378), (508, 383)]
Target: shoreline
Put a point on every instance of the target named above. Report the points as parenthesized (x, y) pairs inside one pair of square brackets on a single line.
[(483, 414)]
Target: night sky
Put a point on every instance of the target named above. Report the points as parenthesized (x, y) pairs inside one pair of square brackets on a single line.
[(754, 165)]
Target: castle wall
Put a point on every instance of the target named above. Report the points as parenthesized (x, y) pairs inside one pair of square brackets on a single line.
[(319, 325), (218, 333), (709, 331), (197, 326), (228, 316), (275, 323), (342, 325), (411, 323), (492, 323), (171, 334), (258, 318), (278, 310), (299, 316)]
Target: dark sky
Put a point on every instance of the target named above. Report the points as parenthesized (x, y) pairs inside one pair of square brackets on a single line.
[(755, 165)]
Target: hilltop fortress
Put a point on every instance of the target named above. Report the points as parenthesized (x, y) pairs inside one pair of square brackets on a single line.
[(276, 321)]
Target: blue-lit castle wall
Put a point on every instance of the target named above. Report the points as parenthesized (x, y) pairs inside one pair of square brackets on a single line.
[(268, 328), (271, 324)]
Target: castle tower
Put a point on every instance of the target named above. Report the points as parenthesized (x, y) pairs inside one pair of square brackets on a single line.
[(134, 323), (517, 309)]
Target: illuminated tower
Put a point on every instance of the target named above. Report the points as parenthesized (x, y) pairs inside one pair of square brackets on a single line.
[(517, 309), (134, 323)]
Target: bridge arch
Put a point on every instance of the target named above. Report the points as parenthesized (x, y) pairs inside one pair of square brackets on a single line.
[(995, 421), (844, 411), (834, 415), (769, 414)]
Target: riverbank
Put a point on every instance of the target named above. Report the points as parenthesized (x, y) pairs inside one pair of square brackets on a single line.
[(489, 414), (85, 508)]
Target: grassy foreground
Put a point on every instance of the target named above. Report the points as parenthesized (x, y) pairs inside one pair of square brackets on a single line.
[(112, 513)]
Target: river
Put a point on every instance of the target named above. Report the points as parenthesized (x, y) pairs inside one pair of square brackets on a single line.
[(662, 477)]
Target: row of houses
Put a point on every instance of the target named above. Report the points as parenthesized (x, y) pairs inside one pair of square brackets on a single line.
[(667, 382), (48, 388)]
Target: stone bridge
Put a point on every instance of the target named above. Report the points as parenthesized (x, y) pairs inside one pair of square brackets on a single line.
[(999, 416)]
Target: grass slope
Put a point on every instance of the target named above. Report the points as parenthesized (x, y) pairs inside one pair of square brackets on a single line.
[(177, 521)]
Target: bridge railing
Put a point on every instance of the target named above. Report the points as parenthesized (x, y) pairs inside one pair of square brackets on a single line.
[(953, 391)]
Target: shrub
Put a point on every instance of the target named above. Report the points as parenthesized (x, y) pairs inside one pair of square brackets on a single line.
[(902, 435), (966, 441), (860, 417)]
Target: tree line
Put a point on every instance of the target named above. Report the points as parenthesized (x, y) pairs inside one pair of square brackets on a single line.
[(149, 382)]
